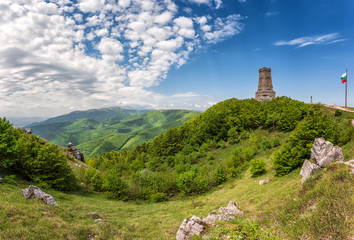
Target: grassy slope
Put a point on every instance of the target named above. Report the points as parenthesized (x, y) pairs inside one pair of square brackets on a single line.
[(129, 220)]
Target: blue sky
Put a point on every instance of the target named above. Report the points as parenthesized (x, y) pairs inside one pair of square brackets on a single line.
[(60, 56)]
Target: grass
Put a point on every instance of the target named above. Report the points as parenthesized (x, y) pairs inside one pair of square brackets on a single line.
[(270, 206)]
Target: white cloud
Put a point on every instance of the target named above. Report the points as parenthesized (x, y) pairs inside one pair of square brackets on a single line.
[(98, 53), (218, 4), (91, 5), (312, 40)]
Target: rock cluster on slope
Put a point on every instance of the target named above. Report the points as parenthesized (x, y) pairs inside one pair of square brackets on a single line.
[(196, 225), (322, 153), (78, 155), (35, 192)]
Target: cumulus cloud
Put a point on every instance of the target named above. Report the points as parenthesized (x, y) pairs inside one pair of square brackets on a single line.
[(312, 40), (97, 53)]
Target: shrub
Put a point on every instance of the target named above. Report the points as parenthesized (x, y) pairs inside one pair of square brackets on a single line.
[(114, 185), (44, 164), (158, 197), (8, 147), (266, 144), (192, 182), (219, 175), (257, 167), (298, 146), (96, 182)]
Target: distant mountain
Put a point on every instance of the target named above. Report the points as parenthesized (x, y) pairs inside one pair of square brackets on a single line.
[(95, 136), (96, 114), (23, 121)]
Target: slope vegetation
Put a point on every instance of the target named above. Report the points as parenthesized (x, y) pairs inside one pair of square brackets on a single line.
[(101, 133)]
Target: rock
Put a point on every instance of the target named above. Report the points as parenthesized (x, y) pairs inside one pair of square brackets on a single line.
[(308, 169), (0, 180), (190, 227), (212, 217), (231, 208), (323, 152), (78, 155), (35, 192), (349, 163), (264, 181), (98, 220), (93, 215), (77, 165), (28, 130)]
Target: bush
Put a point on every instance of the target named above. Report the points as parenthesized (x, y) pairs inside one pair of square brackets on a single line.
[(266, 144), (257, 167), (8, 147), (114, 185), (44, 164), (192, 182), (219, 175), (297, 148), (158, 197)]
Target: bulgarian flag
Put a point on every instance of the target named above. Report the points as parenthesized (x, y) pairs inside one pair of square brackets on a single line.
[(344, 77)]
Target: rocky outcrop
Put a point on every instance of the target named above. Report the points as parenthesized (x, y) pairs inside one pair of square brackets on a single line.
[(190, 227), (322, 153), (35, 192), (231, 209), (308, 169), (196, 225), (28, 130), (264, 181), (78, 155)]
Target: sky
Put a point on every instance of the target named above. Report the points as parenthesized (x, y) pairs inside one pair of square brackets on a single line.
[(59, 56)]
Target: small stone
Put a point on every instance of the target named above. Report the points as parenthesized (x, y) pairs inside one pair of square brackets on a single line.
[(93, 215), (98, 220), (264, 181)]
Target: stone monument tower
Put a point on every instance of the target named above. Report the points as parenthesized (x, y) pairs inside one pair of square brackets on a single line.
[(265, 90)]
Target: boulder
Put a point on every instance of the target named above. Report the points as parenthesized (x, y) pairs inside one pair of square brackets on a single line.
[(190, 227), (0, 180), (323, 152), (212, 217), (308, 169), (232, 208), (35, 192), (264, 181), (93, 215)]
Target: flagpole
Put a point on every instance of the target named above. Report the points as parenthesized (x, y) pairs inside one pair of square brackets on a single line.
[(346, 84)]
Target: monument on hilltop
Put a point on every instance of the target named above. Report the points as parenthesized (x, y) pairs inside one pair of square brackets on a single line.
[(265, 90)]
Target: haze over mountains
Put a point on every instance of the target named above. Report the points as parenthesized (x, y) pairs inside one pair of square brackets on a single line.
[(99, 130)]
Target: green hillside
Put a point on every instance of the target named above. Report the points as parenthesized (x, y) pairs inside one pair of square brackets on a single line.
[(218, 156), (96, 136)]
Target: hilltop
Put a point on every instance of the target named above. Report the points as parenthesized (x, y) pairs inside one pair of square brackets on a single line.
[(198, 167)]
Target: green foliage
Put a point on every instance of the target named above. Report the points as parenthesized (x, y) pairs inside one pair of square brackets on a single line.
[(219, 175), (159, 197), (257, 167), (297, 147), (114, 185), (338, 113), (9, 179), (44, 164), (192, 182), (8, 147), (266, 143)]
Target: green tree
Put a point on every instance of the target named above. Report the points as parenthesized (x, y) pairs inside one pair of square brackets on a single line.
[(257, 167), (8, 146)]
